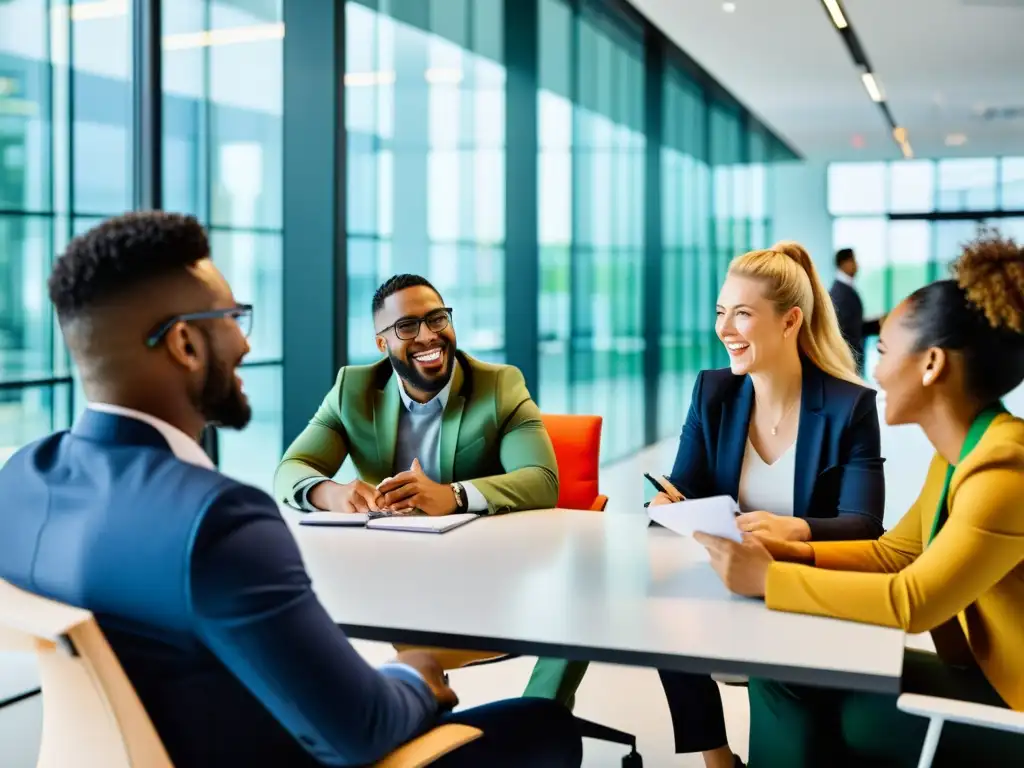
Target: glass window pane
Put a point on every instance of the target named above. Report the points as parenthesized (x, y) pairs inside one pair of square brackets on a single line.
[(29, 414), (251, 455), (252, 265), (910, 254), (26, 317), (185, 116), (912, 186), (425, 112), (103, 112), (967, 185), (245, 108), (1012, 227), (25, 172), (1012, 184), (950, 237), (855, 188)]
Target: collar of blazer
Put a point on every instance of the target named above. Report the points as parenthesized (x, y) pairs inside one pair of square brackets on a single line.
[(810, 434)]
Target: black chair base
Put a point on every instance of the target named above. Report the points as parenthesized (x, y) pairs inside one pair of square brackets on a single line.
[(591, 730), (20, 697)]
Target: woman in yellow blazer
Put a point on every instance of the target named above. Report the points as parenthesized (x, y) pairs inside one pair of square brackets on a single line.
[(954, 565)]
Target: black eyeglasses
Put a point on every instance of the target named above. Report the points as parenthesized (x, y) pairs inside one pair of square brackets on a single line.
[(408, 328), (240, 313)]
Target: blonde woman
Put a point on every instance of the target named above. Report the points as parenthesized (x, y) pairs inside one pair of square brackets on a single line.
[(788, 430), (953, 566)]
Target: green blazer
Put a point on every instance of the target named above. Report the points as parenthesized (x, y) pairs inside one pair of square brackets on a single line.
[(491, 434)]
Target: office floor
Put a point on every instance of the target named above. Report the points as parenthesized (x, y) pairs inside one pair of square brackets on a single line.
[(623, 697)]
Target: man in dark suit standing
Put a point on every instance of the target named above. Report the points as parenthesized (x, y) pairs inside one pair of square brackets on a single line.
[(193, 577), (850, 308)]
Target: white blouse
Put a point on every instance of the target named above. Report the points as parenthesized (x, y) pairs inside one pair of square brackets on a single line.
[(767, 487)]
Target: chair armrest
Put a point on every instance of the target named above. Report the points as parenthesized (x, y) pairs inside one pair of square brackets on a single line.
[(430, 747), (968, 713), (599, 504)]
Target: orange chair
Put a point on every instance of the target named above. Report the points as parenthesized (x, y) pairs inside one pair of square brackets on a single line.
[(577, 443)]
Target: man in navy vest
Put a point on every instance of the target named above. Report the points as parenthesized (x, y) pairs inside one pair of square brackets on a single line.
[(193, 577)]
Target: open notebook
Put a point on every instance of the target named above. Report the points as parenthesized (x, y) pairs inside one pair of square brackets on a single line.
[(419, 523)]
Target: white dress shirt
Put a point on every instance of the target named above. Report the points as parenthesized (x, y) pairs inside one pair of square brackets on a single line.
[(181, 445), (842, 277), (767, 487)]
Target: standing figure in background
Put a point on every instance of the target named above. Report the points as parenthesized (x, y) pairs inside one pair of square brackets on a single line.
[(850, 308)]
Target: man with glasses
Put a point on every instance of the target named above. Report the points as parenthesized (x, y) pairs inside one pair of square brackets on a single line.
[(429, 429), (193, 577)]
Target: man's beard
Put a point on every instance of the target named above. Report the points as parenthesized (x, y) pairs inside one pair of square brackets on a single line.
[(221, 401), (408, 373)]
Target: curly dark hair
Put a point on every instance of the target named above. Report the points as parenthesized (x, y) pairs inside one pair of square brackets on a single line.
[(979, 313), (122, 254), (397, 283)]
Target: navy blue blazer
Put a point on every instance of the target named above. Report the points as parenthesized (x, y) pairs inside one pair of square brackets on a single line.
[(839, 485), (198, 586)]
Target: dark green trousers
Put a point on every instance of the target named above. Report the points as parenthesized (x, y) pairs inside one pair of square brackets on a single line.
[(556, 679), (803, 727)]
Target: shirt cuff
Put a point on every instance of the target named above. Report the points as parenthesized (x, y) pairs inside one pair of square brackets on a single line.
[(475, 501), (409, 676), (302, 493)]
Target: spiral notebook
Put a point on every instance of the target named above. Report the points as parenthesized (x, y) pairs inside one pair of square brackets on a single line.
[(414, 523)]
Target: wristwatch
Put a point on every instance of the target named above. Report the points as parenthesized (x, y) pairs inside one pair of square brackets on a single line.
[(461, 502)]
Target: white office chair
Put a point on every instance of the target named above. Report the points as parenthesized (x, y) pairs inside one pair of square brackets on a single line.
[(940, 711), (92, 717)]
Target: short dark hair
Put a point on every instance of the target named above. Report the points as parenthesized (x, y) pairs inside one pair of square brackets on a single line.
[(122, 254), (843, 255), (979, 313), (397, 283)]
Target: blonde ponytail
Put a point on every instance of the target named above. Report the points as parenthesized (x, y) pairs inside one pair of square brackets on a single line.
[(791, 280)]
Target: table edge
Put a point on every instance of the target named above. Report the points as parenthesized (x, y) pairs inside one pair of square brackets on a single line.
[(817, 677)]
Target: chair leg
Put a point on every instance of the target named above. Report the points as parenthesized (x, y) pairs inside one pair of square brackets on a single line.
[(931, 743), (591, 730), (20, 697)]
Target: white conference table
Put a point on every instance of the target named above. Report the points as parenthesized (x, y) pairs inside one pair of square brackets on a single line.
[(580, 585)]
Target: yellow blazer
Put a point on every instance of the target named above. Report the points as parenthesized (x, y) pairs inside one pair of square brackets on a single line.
[(973, 570)]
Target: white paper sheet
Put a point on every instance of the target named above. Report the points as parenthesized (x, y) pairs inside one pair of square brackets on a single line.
[(715, 516)]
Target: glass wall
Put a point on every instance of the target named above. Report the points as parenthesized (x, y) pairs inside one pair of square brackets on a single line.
[(592, 209), (714, 207), (907, 220), (222, 162), (65, 120), (426, 158), (608, 146), (425, 114)]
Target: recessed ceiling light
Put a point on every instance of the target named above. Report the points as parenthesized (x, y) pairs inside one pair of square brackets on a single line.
[(729, 7), (956, 139), (836, 12), (871, 85)]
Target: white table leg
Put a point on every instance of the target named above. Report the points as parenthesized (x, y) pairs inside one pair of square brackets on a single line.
[(931, 743)]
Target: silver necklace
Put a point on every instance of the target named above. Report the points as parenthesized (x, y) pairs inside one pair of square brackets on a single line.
[(775, 429)]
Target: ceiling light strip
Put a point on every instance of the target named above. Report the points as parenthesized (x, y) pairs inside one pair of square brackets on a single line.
[(836, 12), (867, 73)]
